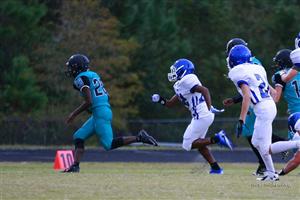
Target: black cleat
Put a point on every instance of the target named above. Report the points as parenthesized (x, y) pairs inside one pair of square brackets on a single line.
[(284, 155), (260, 171), (145, 138), (72, 169)]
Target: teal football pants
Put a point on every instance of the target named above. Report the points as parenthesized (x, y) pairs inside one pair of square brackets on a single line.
[(100, 124)]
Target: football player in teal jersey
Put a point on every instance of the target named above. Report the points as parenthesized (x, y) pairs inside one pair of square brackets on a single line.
[(96, 99), (248, 127), (289, 90)]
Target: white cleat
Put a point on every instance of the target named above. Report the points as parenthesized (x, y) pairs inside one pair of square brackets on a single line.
[(269, 176)]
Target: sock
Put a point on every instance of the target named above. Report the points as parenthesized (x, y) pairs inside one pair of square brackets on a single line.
[(284, 146), (215, 166), (214, 139), (276, 138), (76, 164)]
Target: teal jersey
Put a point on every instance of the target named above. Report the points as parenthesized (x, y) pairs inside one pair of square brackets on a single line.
[(254, 60), (291, 94), (93, 81)]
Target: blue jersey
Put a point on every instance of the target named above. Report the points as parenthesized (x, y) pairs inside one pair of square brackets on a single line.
[(291, 94), (93, 81)]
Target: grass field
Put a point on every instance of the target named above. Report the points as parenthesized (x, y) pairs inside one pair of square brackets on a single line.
[(141, 181)]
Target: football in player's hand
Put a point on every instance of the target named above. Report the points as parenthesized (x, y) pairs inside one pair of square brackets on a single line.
[(155, 98)]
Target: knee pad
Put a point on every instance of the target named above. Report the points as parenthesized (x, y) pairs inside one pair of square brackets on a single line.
[(79, 143)]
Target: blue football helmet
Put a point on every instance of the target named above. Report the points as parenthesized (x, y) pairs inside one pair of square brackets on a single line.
[(292, 120), (180, 68), (297, 41), (76, 64), (239, 54)]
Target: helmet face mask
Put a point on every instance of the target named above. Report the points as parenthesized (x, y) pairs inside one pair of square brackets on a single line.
[(239, 54), (179, 69), (76, 64), (172, 76)]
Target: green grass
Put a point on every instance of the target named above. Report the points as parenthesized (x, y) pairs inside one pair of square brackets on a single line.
[(141, 181)]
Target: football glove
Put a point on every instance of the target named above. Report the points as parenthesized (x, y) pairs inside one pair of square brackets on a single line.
[(215, 110), (156, 98), (239, 128), (276, 79)]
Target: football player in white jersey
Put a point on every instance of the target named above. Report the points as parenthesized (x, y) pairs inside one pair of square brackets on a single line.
[(252, 83), (189, 90), (295, 57)]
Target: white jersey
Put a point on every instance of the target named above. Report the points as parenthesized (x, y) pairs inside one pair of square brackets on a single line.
[(255, 77), (295, 57), (195, 102)]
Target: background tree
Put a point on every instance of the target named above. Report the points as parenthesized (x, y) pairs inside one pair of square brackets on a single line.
[(95, 33), (20, 33)]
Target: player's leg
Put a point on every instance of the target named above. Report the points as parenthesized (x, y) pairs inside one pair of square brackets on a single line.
[(291, 165), (194, 138), (79, 137), (103, 117), (194, 135), (105, 134), (261, 139), (282, 146), (261, 167), (247, 133)]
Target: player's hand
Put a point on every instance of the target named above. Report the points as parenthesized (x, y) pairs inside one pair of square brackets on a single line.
[(228, 102), (276, 79), (215, 110), (70, 118), (239, 128)]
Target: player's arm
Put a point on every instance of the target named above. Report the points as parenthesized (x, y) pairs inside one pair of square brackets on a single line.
[(290, 75), (279, 86), (246, 101), (273, 92), (83, 106), (295, 58), (205, 92), (233, 100), (82, 84), (156, 98), (278, 94)]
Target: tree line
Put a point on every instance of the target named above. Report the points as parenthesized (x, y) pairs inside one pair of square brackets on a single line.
[(132, 45)]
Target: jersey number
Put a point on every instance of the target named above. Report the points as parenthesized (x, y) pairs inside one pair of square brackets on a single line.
[(296, 87), (263, 87), (99, 89)]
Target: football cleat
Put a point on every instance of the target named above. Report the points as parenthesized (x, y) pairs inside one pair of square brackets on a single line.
[(259, 171), (214, 171), (145, 138), (72, 169), (223, 140), (269, 176), (284, 155)]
